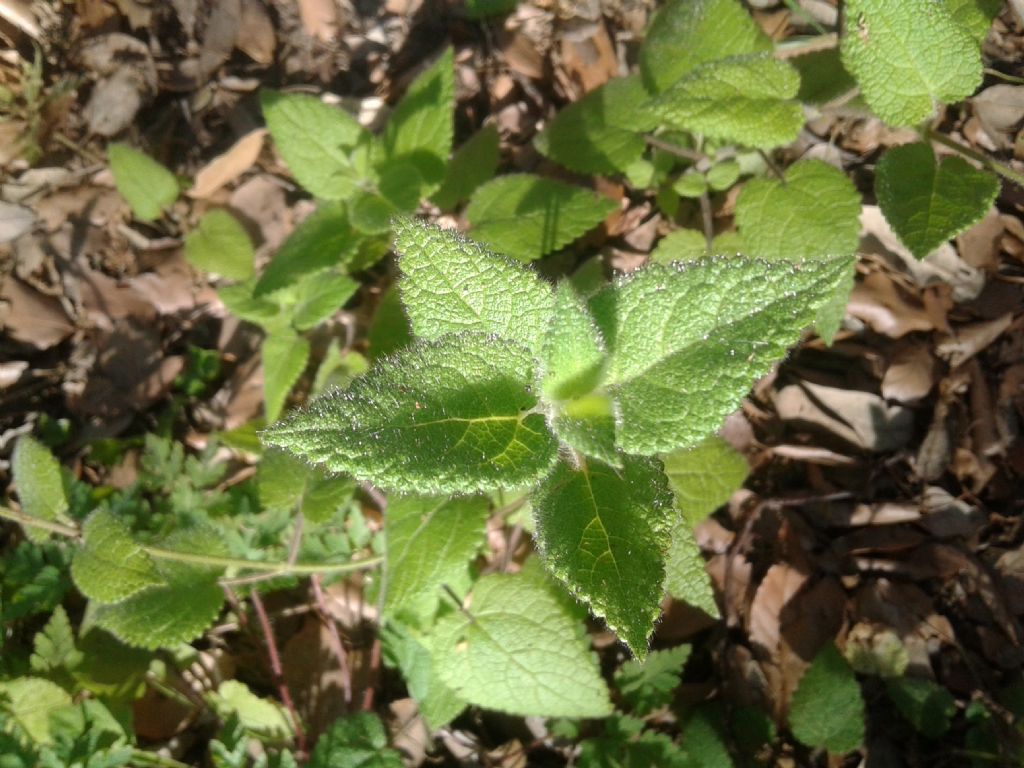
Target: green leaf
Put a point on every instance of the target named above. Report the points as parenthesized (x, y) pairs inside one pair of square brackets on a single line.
[(40, 487), (703, 743), (680, 245), (177, 611), (827, 710), (929, 202), (355, 741), (645, 686), (472, 164), (261, 717), (451, 284), (517, 651), (33, 579), (411, 654), (599, 133), (481, 9), (316, 141), (145, 184), (704, 477), (814, 211), (319, 297), (823, 77), (528, 216), (688, 340), (686, 578), (974, 15), (604, 533), (221, 245), (371, 213), (573, 351), (30, 701), (438, 417), (109, 668), (927, 706), (430, 542), (908, 57), (53, 648), (420, 129), (687, 33), (724, 174), (749, 100), (324, 239), (284, 359), (286, 482), (587, 424), (110, 565), (390, 329)]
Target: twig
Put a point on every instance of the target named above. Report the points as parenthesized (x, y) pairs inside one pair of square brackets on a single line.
[(772, 166), (825, 42), (335, 638), (993, 165), (687, 154), (276, 669), (35, 522)]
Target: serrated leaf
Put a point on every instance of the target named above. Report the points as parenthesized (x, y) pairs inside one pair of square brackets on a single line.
[(750, 100), (704, 477), (927, 706), (221, 245), (528, 216), (430, 542), (30, 701), (53, 648), (316, 141), (320, 296), (599, 133), (472, 164), (814, 211), (411, 654), (40, 487), (573, 351), (827, 710), (178, 611), (703, 742), (648, 685), (261, 717), (323, 239), (420, 129), (517, 651), (146, 185), (680, 245), (604, 532), (823, 77), (587, 424), (451, 284), (908, 56), (927, 202), (110, 565), (441, 417), (974, 15), (687, 33), (686, 578), (355, 741), (33, 579), (284, 359), (688, 340)]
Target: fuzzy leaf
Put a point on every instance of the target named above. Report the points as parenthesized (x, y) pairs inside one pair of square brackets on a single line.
[(929, 202), (472, 164), (704, 477), (220, 244), (145, 184), (573, 351), (688, 340), (686, 578), (286, 482), (445, 416), (687, 33), (749, 100), (518, 651), (430, 542), (451, 284), (604, 532), (927, 706), (680, 245), (599, 133), (528, 216), (30, 701), (908, 57), (40, 487), (974, 15), (355, 741), (316, 140), (324, 239), (827, 710), (261, 717), (320, 296), (587, 424), (411, 654), (284, 359), (110, 565), (649, 684)]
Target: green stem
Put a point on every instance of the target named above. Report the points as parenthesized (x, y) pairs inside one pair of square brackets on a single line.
[(280, 568), (993, 165)]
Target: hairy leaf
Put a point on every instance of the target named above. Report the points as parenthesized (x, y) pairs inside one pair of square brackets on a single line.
[(516, 650), (686, 578), (411, 654), (604, 532), (444, 416), (528, 216), (319, 296), (451, 284), (145, 184), (927, 202), (974, 15), (40, 487), (688, 340), (472, 164), (827, 710), (30, 701), (287, 482), (221, 245), (587, 424), (680, 245), (573, 351), (110, 565), (908, 57), (704, 477)]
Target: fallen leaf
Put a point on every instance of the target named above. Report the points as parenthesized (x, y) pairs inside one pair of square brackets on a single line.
[(1000, 108), (256, 38), (971, 339), (15, 221), (910, 375), (319, 19), (227, 167), (32, 318), (876, 301)]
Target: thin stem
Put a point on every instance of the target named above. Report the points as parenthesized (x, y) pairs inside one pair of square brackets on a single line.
[(277, 669), (35, 522), (825, 42), (707, 218), (772, 166), (993, 165), (687, 154)]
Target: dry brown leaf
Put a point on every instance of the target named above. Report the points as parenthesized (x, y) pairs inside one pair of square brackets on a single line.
[(1000, 108), (779, 585), (256, 38), (979, 245), (911, 374), (971, 339), (29, 317), (588, 55), (319, 19), (227, 167), (876, 301)]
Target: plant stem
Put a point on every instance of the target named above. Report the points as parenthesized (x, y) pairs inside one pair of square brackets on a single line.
[(687, 154), (276, 669), (825, 42), (993, 165), (277, 568)]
